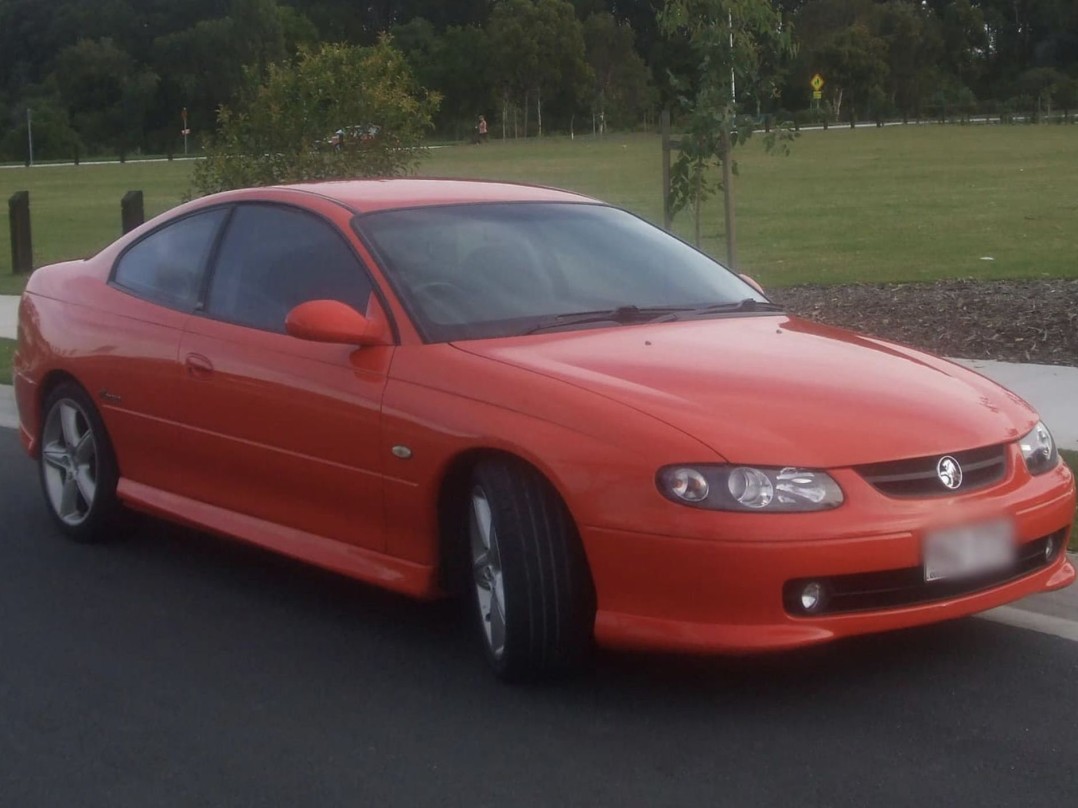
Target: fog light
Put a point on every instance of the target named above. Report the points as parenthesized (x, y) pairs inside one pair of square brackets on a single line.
[(812, 596), (1050, 548)]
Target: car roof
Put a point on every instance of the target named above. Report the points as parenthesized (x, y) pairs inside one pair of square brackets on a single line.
[(383, 194)]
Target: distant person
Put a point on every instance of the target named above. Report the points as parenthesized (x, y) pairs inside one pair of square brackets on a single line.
[(482, 128)]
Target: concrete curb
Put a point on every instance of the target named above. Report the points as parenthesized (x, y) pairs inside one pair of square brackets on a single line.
[(9, 416), (9, 316)]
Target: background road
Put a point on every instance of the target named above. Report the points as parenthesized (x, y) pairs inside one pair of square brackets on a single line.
[(171, 668)]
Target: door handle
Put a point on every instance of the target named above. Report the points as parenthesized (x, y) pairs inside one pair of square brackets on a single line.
[(198, 366)]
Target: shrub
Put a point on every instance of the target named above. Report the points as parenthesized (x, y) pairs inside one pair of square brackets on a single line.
[(285, 127)]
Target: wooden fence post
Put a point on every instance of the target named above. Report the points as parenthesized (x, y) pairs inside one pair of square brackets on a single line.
[(22, 251), (132, 213)]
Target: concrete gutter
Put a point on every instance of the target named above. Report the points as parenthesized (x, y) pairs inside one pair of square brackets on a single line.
[(9, 316), (9, 416)]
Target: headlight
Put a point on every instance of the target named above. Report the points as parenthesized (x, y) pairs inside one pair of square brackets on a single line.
[(1039, 450), (748, 488)]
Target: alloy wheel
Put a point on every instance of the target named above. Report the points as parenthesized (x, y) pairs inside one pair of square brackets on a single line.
[(487, 573), (69, 455)]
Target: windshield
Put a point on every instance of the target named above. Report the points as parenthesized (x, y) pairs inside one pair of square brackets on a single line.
[(493, 270)]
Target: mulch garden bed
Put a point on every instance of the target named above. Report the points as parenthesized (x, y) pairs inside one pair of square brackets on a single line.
[(1012, 321)]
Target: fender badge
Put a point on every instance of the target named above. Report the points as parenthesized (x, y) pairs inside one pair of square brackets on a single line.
[(403, 452)]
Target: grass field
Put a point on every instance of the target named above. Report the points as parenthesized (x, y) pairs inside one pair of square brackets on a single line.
[(7, 351), (75, 210), (899, 203)]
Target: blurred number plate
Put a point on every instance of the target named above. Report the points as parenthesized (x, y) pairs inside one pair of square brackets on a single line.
[(969, 550)]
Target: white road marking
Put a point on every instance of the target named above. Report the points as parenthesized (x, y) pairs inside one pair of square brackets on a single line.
[(1032, 621)]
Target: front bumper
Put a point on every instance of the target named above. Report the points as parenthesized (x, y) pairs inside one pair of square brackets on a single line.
[(660, 592)]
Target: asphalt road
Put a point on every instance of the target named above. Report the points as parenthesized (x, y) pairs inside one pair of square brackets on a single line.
[(172, 668)]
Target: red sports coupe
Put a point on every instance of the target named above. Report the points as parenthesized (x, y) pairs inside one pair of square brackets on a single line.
[(597, 431)]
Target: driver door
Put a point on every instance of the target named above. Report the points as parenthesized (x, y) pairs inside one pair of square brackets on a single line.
[(278, 428)]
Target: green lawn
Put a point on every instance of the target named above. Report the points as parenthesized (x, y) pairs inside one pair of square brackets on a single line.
[(899, 203), (75, 210), (7, 351)]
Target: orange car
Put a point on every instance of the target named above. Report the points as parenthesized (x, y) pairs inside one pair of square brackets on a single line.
[(594, 429)]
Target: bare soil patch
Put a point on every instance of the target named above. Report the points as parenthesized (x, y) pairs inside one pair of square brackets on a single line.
[(1009, 320)]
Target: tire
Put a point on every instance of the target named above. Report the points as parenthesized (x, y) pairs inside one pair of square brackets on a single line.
[(77, 467), (533, 594)]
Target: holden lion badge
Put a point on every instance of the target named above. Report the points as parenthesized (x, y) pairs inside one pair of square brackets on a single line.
[(949, 472)]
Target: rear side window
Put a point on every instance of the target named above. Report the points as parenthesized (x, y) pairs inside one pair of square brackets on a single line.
[(274, 258), (166, 266)]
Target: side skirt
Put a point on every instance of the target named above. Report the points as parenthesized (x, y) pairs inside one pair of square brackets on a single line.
[(406, 577)]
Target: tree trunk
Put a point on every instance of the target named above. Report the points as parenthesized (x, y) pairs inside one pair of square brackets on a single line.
[(539, 109), (526, 111), (696, 202), (728, 200)]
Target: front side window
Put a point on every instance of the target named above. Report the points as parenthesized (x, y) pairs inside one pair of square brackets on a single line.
[(272, 259), (166, 266)]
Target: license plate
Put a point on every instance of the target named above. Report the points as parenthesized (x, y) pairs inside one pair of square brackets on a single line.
[(969, 550)]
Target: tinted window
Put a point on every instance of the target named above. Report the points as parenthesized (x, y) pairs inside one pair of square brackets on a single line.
[(489, 270), (167, 265), (274, 258)]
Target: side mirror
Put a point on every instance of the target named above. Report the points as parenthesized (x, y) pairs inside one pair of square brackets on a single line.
[(335, 322), (752, 282)]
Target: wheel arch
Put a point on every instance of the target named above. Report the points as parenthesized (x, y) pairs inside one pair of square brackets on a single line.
[(452, 509), (49, 382), (43, 389)]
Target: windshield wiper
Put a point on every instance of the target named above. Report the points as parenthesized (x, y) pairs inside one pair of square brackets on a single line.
[(748, 304), (626, 315), (623, 315)]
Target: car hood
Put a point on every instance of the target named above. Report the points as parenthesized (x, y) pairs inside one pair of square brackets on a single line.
[(778, 390)]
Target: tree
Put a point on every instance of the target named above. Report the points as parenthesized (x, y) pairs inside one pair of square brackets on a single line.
[(913, 49), (283, 130), (54, 138), (457, 62), (1041, 84), (538, 48), (621, 86), (207, 64), (729, 40), (105, 91), (855, 60)]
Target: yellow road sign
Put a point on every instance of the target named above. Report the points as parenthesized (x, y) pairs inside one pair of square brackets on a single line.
[(817, 82), (816, 95)]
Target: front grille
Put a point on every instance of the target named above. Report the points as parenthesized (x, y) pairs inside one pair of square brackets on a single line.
[(904, 587), (919, 478)]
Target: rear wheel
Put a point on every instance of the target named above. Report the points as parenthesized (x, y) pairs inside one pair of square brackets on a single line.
[(533, 594), (77, 466)]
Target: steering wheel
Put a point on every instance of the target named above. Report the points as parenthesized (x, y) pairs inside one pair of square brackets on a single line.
[(443, 301)]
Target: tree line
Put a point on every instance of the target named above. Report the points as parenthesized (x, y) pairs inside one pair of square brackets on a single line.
[(112, 76)]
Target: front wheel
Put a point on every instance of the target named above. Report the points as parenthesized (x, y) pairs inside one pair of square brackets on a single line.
[(533, 593), (77, 466)]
